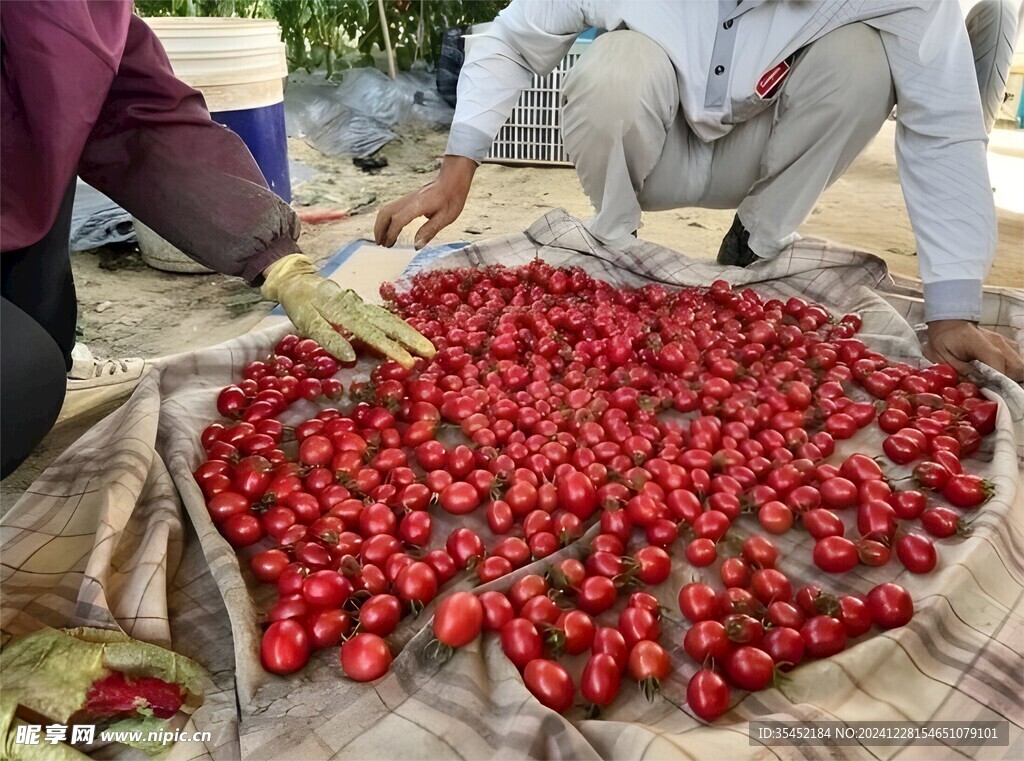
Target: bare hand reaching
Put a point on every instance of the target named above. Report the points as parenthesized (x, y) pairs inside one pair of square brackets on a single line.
[(957, 342), (440, 201)]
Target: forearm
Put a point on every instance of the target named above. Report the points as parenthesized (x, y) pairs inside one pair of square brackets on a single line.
[(950, 204), (157, 153), (940, 153), (529, 37)]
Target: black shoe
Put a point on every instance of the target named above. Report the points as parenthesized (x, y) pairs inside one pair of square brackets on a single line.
[(735, 250)]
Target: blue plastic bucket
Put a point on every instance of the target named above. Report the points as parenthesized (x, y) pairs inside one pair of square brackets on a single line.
[(263, 130), (239, 65)]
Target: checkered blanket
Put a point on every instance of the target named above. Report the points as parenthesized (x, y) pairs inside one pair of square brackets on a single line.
[(115, 534)]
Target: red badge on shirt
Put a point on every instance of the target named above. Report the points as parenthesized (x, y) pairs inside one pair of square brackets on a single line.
[(771, 81)]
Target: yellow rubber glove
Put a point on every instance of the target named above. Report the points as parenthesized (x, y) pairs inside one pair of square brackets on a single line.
[(320, 307)]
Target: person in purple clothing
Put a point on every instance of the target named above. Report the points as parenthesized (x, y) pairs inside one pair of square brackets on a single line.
[(88, 91)]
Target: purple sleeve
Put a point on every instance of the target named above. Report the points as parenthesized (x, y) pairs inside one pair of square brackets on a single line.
[(156, 152)]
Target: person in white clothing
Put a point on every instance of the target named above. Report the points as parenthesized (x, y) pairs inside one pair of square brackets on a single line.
[(757, 106)]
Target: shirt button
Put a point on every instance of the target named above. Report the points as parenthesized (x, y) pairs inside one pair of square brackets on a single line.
[(719, 69), (727, 24)]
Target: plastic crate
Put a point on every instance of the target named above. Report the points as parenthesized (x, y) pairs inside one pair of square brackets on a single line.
[(533, 134)]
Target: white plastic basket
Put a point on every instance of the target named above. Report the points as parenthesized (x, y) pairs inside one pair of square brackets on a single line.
[(533, 134)]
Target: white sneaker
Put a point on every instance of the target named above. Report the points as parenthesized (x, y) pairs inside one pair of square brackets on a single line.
[(93, 383)]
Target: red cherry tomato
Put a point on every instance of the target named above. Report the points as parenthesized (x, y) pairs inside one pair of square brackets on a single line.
[(380, 614), (707, 694), (917, 553), (891, 605), (835, 554), (706, 640), (550, 683), (601, 678), (823, 636), (520, 642), (458, 619), (365, 657), (611, 642), (785, 646), (749, 668), (285, 647)]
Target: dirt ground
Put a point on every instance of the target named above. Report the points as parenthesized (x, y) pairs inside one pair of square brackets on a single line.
[(128, 309)]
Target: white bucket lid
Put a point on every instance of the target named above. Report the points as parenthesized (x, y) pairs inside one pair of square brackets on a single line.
[(222, 51)]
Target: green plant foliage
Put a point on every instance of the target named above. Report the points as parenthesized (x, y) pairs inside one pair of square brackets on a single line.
[(240, 8), (330, 34)]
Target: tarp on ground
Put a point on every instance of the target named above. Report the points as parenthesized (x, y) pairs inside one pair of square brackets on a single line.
[(115, 534)]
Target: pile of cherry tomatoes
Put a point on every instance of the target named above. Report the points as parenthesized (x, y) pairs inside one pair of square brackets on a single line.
[(676, 429)]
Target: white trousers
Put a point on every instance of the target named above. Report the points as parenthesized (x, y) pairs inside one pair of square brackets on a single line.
[(624, 131)]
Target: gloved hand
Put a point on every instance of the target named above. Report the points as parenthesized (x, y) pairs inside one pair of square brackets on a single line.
[(319, 307)]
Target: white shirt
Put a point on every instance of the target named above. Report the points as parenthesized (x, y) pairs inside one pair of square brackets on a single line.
[(721, 49)]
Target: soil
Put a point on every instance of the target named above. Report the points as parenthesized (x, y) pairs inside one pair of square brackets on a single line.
[(128, 309)]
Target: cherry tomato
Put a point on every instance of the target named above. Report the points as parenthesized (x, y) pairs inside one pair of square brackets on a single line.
[(540, 610), (497, 610), (775, 517), (578, 630), (855, 615), (785, 646), (769, 585), (707, 694), (226, 504), (943, 522), (268, 565), (285, 647), (908, 505), (460, 498), (760, 552), (967, 490), (916, 552), (458, 619), (653, 565), (611, 642), (596, 595), (416, 583), (327, 627), (706, 640), (823, 636), (785, 614), (601, 678), (380, 614), (859, 468), (901, 448), (749, 668), (699, 602), (891, 605), (835, 554), (242, 530), (520, 642), (931, 475), (365, 657), (326, 589), (463, 545), (493, 568), (648, 660), (822, 523), (638, 624), (701, 552), (550, 683), (838, 493)]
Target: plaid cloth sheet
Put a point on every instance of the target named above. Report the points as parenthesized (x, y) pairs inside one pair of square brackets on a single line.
[(115, 534)]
